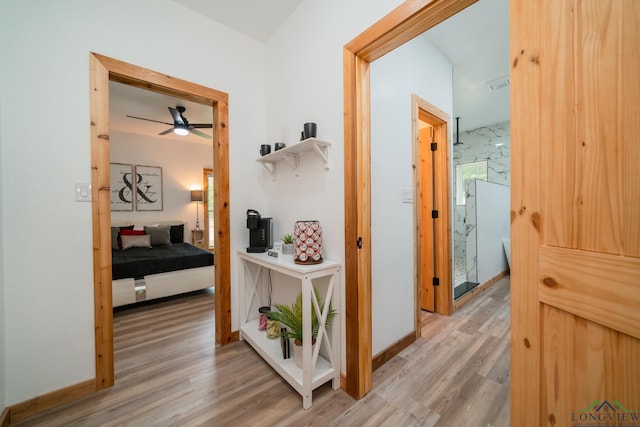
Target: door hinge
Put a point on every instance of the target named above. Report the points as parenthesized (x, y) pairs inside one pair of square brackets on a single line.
[(436, 281), (434, 214), (434, 146), (359, 243)]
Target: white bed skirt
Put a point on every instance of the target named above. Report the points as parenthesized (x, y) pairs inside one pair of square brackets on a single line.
[(164, 284)]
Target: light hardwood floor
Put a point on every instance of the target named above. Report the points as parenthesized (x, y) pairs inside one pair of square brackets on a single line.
[(169, 373)]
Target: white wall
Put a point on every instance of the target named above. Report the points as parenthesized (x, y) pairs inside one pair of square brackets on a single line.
[(181, 163), (304, 74), (3, 319), (416, 67), (493, 217), (44, 110)]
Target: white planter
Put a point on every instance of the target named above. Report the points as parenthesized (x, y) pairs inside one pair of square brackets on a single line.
[(297, 354)]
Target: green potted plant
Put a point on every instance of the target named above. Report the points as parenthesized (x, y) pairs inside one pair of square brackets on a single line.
[(287, 243), (291, 317)]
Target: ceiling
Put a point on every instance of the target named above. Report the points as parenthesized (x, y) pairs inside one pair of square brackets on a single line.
[(128, 100), (264, 18), (476, 42)]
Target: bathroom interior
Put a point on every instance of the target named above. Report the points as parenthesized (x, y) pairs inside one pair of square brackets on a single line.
[(481, 196), (480, 169)]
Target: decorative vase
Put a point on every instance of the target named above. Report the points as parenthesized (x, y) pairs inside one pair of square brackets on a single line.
[(308, 242), (309, 130), (297, 351)]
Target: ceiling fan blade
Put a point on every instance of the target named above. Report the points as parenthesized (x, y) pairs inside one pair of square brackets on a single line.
[(201, 125), (150, 120), (177, 117), (202, 134), (166, 131)]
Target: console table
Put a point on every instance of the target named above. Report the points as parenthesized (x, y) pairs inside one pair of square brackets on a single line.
[(317, 369)]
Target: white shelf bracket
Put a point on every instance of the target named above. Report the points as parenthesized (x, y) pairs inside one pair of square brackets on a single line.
[(271, 168), (293, 160), (323, 152)]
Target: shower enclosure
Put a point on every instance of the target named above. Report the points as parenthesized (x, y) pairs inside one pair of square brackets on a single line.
[(481, 212)]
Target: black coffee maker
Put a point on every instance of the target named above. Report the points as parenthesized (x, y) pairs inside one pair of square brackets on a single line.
[(260, 232)]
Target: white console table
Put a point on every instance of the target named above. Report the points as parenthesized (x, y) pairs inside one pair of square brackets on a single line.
[(317, 370)]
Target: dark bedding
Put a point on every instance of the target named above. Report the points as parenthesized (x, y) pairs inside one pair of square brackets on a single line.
[(140, 262)]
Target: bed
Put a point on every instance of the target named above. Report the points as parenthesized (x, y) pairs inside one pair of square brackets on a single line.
[(154, 261)]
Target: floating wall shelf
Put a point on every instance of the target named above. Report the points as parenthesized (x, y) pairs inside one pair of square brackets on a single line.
[(291, 155)]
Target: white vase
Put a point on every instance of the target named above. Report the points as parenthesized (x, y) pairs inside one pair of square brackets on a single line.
[(297, 354), (287, 248)]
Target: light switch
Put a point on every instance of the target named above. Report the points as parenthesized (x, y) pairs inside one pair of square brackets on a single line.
[(83, 192), (407, 195)]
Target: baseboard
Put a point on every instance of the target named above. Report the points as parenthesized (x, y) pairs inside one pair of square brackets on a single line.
[(5, 417), (235, 336), (387, 354), (34, 406), (457, 304)]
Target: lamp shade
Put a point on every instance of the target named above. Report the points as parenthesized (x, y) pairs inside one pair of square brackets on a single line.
[(196, 195)]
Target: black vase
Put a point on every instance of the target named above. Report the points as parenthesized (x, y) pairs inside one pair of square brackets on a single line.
[(309, 130)]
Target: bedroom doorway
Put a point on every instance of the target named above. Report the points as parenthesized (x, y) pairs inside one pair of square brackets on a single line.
[(102, 71)]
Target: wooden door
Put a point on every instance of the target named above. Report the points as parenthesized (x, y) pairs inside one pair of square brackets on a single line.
[(431, 208), (575, 277), (426, 237)]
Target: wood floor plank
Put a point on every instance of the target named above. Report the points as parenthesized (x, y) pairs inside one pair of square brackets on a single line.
[(169, 372)]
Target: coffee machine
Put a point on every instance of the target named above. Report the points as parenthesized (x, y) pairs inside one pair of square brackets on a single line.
[(260, 232)]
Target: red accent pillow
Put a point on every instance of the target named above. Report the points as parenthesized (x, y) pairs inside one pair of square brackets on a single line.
[(129, 233)]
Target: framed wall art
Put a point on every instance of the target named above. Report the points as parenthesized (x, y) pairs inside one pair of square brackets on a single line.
[(148, 184), (121, 183)]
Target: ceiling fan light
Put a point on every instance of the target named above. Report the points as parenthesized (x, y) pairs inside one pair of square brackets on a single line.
[(180, 130)]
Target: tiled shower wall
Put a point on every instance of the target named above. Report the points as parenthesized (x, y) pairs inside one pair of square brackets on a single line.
[(478, 144)]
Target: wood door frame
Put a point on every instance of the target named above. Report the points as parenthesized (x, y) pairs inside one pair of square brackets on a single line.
[(410, 19), (102, 70), (424, 111)]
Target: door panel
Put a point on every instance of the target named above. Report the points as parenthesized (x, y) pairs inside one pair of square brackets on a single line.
[(600, 287), (575, 209), (582, 362), (427, 272), (433, 254)]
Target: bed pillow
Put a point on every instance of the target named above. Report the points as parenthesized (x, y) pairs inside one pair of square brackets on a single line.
[(115, 233), (128, 232), (135, 241), (176, 234), (160, 235)]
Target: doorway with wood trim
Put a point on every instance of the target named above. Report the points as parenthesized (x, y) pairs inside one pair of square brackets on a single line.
[(398, 27), (431, 212), (102, 70)]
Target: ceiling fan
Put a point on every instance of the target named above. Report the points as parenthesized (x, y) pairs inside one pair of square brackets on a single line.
[(180, 125)]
